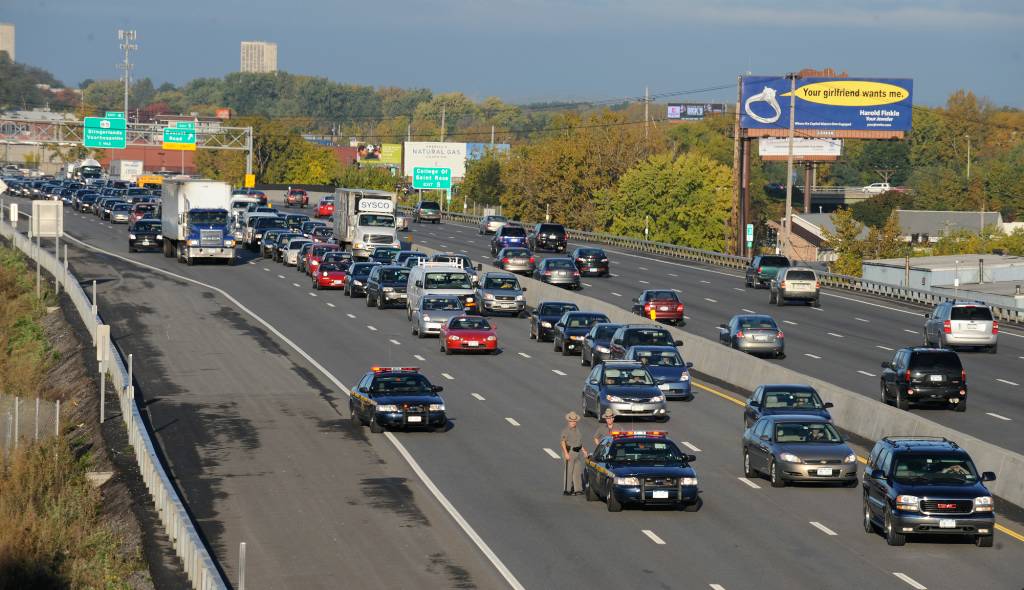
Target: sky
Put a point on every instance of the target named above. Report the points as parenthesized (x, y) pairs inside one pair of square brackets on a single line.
[(536, 50)]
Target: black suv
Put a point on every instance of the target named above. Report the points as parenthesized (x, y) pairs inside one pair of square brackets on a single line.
[(926, 485), (638, 335), (385, 287), (425, 211), (549, 236), (924, 376)]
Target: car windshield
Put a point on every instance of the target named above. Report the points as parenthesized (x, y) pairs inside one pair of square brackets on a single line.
[(647, 452), (497, 218), (938, 360), (948, 469), (442, 303), (361, 268), (774, 261), (447, 280), (633, 376), (590, 253), (806, 432), (971, 313), (337, 256), (211, 217), (649, 337), (296, 244), (395, 275), (297, 219), (467, 323), (662, 296), (510, 252), (331, 266), (272, 222), (285, 238), (430, 205), (319, 250), (509, 283), (605, 332), (556, 308), (376, 220), (411, 384), (584, 321), (551, 229), (794, 400), (800, 275), (659, 358), (757, 323), (122, 207), (512, 232), (384, 254), (147, 226), (560, 264)]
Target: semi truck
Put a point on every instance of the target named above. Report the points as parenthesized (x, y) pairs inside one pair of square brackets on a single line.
[(195, 217), (83, 169), (364, 219)]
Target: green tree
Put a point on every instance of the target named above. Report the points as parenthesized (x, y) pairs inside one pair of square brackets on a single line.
[(104, 95), (937, 189), (876, 210), (846, 243), (482, 183)]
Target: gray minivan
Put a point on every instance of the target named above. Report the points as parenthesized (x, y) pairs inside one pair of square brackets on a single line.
[(962, 323)]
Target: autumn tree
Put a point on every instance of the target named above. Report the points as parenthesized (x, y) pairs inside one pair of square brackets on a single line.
[(846, 243)]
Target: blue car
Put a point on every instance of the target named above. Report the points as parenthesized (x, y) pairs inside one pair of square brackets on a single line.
[(397, 397), (508, 236), (665, 364), (641, 468), (625, 388), (768, 400)]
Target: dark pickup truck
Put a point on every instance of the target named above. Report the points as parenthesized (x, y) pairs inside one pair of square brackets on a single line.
[(762, 269)]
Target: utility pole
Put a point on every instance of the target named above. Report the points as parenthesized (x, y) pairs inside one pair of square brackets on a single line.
[(737, 179), (442, 123), (789, 164), (492, 135), (647, 109), (127, 39), (408, 132), (968, 157)]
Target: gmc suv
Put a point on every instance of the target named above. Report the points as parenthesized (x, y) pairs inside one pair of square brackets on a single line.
[(549, 236), (925, 376), (926, 485)]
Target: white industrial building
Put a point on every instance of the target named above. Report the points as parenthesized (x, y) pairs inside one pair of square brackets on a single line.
[(259, 57)]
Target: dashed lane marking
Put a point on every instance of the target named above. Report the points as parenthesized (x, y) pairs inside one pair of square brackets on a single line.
[(329, 304), (418, 357), (824, 529), (813, 356), (351, 316), (478, 396), (551, 453), (749, 310), (1008, 382), (790, 323), (997, 416), (650, 535), (749, 483), (524, 355), (834, 334), (616, 294), (448, 377), (395, 342), (512, 421), (862, 320), (884, 347), (867, 374), (371, 328), (710, 300), (691, 446), (557, 372), (913, 583)]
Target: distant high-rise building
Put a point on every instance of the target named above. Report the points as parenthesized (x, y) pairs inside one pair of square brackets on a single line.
[(259, 57), (7, 39)]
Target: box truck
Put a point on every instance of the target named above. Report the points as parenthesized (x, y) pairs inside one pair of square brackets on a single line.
[(195, 218)]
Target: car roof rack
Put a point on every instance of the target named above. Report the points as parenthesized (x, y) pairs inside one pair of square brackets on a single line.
[(906, 440), (423, 262)]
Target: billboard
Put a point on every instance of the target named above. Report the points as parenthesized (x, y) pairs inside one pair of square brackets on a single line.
[(475, 151), (825, 105), (803, 148), (690, 111), (435, 154), (379, 154)]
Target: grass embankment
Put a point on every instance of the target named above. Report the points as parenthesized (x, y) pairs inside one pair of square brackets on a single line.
[(52, 534)]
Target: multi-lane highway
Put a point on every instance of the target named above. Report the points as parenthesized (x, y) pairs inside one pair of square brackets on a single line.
[(497, 466)]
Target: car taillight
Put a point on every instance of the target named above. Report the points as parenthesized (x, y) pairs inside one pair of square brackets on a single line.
[(780, 335), (504, 260), (817, 284), (647, 307), (547, 273), (995, 327), (946, 327), (906, 376), (782, 285), (576, 273), (963, 376), (581, 260), (739, 334), (679, 307), (759, 269)]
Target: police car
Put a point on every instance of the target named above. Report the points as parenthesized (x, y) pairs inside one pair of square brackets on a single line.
[(397, 397), (641, 468)]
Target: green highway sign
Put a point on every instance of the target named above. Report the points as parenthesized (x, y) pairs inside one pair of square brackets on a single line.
[(114, 115), (185, 125), (182, 139), (432, 178), (105, 132)]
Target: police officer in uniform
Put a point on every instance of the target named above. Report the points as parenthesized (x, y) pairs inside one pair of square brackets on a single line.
[(605, 429), (573, 455)]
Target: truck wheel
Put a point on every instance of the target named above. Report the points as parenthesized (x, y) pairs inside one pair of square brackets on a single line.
[(780, 300), (892, 537), (190, 261), (983, 540), (231, 261), (613, 504), (370, 301), (375, 427), (168, 249)]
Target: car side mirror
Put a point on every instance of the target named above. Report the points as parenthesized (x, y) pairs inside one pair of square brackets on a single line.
[(765, 437), (988, 476), (678, 342), (723, 327), (886, 365), (363, 390), (926, 316), (479, 266), (754, 404), (523, 289), (689, 365), (829, 405), (419, 284), (877, 474), (437, 388), (560, 324), (691, 458)]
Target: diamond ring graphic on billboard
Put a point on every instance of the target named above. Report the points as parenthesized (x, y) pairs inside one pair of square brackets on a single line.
[(767, 95)]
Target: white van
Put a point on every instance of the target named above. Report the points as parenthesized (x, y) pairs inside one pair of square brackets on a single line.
[(439, 278)]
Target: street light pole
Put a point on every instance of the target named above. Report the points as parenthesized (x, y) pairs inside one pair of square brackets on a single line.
[(127, 45), (792, 77), (968, 157)]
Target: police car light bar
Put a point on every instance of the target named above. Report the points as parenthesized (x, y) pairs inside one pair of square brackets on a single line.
[(395, 369), (631, 433)]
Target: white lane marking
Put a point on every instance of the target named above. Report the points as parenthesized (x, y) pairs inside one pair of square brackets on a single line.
[(371, 328), (862, 320), (910, 331), (351, 316), (645, 282), (884, 347), (706, 282), (413, 464), (524, 355), (395, 342), (749, 483), (253, 262), (868, 374), (913, 583), (472, 242), (589, 285), (467, 252), (296, 285), (614, 276), (557, 372), (311, 294), (448, 377), (512, 421), (551, 453), (280, 276), (691, 446), (478, 396), (998, 417), (268, 270), (813, 356), (677, 290), (418, 357), (750, 310), (1008, 382), (823, 529), (650, 535), (329, 304), (642, 267), (716, 587), (710, 300), (738, 289), (616, 294), (789, 322), (836, 335), (672, 274), (817, 309)]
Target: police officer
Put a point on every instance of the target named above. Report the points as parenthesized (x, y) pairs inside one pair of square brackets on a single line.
[(605, 429), (573, 455)]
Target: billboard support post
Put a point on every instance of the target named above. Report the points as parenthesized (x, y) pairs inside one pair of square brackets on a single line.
[(789, 162), (808, 168), (745, 192), (736, 170)]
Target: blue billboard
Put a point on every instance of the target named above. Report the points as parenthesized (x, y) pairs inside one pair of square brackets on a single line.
[(828, 104), (475, 151)]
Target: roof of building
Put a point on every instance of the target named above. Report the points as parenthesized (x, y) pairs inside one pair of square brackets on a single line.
[(951, 262), (820, 222), (939, 223)]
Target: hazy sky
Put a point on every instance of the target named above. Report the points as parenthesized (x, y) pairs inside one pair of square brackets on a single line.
[(524, 50)]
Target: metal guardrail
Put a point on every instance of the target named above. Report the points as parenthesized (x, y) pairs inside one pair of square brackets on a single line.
[(178, 525), (835, 281)]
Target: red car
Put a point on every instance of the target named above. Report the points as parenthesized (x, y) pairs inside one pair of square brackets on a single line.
[(661, 305), (330, 275), (297, 197), (316, 254), (326, 207), (466, 332)]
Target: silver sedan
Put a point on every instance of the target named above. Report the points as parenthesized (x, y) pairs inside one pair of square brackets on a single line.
[(433, 312), (756, 334), (490, 224)]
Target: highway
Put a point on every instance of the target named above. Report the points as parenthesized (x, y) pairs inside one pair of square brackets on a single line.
[(494, 465)]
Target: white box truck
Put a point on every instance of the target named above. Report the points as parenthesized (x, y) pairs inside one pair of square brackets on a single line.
[(129, 170), (364, 219), (195, 218)]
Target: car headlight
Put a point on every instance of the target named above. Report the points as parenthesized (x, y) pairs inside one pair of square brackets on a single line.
[(436, 407), (159, 236), (789, 458), (229, 243), (613, 398), (684, 377), (469, 300), (358, 245), (489, 296), (389, 289), (688, 481), (387, 408), (325, 274), (908, 503), (664, 386), (545, 324), (492, 338), (575, 337), (627, 481), (602, 349), (520, 298), (426, 318), (983, 504), (657, 398), (131, 236), (193, 242), (357, 283), (453, 337), (851, 458)]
